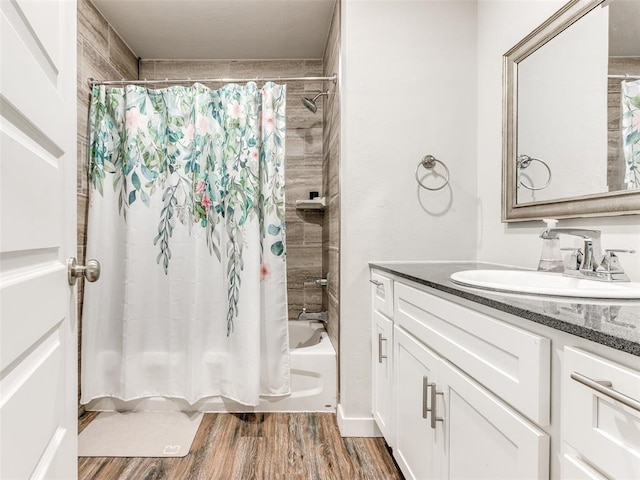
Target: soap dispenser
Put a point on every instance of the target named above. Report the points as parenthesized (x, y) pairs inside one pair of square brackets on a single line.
[(551, 258)]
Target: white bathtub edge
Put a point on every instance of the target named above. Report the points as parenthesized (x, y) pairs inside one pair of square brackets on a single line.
[(323, 347), (356, 426)]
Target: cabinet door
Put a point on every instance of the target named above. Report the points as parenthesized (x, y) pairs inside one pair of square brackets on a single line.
[(601, 415), (382, 349), (482, 437), (415, 368)]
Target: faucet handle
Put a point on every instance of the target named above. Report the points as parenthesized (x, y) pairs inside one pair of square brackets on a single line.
[(609, 261), (618, 250), (575, 260)]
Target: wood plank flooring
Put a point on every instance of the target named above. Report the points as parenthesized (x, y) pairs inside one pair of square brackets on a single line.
[(257, 446)]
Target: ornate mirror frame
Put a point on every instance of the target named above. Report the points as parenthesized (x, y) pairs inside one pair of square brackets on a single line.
[(601, 204)]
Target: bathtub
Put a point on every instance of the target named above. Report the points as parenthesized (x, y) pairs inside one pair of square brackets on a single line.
[(313, 382)]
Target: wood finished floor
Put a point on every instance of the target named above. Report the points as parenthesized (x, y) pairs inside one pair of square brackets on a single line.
[(265, 446)]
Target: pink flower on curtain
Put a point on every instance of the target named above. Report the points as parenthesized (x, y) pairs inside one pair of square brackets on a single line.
[(135, 120), (265, 272), (268, 121), (206, 201), (189, 132), (199, 186), (204, 125), (236, 110)]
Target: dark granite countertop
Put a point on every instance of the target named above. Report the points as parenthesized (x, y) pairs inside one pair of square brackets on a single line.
[(615, 323)]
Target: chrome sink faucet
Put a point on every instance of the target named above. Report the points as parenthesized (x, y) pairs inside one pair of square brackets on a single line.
[(589, 262), (592, 249)]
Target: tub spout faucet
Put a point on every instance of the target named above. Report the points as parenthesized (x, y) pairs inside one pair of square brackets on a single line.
[(590, 262), (322, 317)]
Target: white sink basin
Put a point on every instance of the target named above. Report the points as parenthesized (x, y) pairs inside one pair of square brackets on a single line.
[(544, 283)]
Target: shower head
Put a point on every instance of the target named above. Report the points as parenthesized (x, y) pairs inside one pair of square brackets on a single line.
[(311, 103)]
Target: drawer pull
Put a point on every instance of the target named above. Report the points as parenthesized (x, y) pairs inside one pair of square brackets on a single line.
[(377, 283), (425, 388), (434, 415), (380, 355), (604, 388)]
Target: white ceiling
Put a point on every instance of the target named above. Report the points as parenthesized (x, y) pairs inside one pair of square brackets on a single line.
[(268, 29), (221, 29)]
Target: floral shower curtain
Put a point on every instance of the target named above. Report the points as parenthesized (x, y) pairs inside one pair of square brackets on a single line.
[(631, 132), (186, 216)]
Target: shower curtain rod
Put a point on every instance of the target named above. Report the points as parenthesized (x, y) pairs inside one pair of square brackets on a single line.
[(92, 81), (626, 75)]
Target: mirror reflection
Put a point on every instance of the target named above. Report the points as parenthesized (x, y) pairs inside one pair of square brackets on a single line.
[(578, 109)]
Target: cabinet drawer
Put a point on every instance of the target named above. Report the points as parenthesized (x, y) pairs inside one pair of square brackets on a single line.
[(603, 429), (382, 293), (509, 361)]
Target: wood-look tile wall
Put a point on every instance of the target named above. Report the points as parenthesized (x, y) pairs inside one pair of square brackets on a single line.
[(615, 155), (303, 162), (331, 185), (103, 55)]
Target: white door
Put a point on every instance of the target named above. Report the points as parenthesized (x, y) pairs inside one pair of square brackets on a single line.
[(415, 369), (482, 437), (38, 357)]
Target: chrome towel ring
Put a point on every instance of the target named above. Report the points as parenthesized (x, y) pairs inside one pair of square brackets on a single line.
[(429, 162), (523, 162)]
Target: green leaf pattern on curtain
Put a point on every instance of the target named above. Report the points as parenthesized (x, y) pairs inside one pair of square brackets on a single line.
[(215, 158), (631, 132)]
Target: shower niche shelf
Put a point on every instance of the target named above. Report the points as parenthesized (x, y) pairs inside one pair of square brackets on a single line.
[(316, 204)]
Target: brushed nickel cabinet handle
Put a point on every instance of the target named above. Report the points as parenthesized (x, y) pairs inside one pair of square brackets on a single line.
[(380, 355), (377, 283), (604, 387), (425, 388), (434, 413)]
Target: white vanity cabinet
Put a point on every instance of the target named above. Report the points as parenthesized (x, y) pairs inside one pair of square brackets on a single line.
[(457, 376), (600, 418), (477, 392)]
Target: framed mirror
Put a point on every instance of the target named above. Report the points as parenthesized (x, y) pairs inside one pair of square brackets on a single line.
[(571, 115)]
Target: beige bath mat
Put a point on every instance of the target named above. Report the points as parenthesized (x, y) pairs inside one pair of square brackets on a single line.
[(139, 434)]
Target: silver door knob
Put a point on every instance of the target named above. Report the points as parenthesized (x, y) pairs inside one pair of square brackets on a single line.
[(90, 271)]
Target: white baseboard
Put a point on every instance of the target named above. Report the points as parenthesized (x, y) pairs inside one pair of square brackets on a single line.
[(356, 426)]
